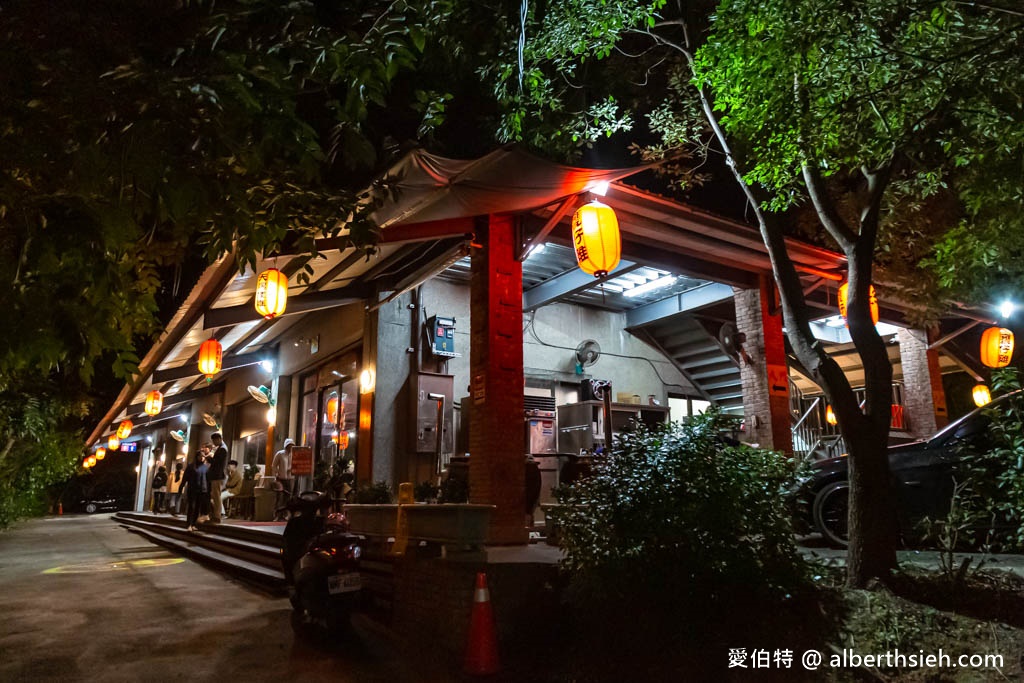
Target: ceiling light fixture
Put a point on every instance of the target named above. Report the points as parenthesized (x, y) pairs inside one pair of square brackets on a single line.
[(661, 282)]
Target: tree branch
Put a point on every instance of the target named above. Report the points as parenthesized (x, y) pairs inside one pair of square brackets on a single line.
[(830, 219)]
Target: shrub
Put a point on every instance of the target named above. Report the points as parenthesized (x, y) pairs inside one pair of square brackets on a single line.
[(681, 512), (374, 494)]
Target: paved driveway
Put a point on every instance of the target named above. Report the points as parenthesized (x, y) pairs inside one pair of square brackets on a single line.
[(81, 599)]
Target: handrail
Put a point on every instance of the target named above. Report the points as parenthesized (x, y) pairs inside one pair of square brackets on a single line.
[(813, 405)]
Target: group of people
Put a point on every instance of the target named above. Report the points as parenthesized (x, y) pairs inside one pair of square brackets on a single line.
[(204, 485)]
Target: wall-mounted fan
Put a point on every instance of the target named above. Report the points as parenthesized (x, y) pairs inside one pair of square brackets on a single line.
[(178, 435), (732, 342), (587, 353), (211, 419), (260, 393)]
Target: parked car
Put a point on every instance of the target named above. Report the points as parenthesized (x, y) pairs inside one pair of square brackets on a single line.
[(922, 478), (101, 504)]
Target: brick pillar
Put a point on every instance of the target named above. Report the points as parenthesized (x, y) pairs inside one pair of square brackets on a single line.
[(924, 399), (765, 377), (497, 474)]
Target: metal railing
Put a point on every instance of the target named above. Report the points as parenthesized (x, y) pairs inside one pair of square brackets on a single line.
[(814, 438)]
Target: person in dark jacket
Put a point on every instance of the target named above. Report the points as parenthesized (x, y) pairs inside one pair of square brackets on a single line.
[(218, 465), (159, 488), (197, 491)]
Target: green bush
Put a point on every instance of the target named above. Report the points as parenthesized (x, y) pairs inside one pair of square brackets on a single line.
[(374, 494), (681, 513), (991, 466)]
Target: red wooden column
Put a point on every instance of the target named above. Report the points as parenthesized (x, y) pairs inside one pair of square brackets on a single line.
[(765, 376), (497, 474)]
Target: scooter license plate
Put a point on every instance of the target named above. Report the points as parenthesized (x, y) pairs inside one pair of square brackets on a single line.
[(344, 583)]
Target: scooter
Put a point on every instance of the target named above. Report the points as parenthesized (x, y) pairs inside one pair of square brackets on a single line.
[(320, 559)]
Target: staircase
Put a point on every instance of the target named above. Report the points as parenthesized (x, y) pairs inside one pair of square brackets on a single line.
[(694, 349)]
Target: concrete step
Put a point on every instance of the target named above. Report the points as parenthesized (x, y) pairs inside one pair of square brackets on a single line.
[(260, 574), (258, 548)]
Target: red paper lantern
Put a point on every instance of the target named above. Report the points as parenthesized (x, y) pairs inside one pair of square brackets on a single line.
[(996, 347), (154, 403), (124, 430), (210, 356), (872, 301)]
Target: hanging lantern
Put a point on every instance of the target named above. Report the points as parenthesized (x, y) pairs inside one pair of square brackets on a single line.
[(595, 237), (830, 416), (343, 440), (210, 354), (90, 461), (872, 301), (101, 453), (271, 293), (154, 403), (996, 347), (982, 396), (332, 409), (124, 430), (113, 443)]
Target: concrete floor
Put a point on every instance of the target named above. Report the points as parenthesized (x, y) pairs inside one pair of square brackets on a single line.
[(81, 599)]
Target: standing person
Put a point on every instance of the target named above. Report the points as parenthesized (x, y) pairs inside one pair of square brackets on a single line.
[(175, 480), (218, 465), (282, 470), (159, 488), (232, 485), (197, 490)]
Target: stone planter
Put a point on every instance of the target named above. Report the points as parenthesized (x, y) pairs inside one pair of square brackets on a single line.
[(372, 520), (450, 523)]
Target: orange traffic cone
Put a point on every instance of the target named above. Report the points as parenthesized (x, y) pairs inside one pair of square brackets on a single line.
[(60, 508), (482, 644)]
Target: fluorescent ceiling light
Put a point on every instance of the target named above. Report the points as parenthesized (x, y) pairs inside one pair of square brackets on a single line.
[(600, 188), (651, 286), (536, 249), (835, 321)]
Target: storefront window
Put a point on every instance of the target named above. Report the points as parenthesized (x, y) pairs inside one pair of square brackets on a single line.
[(336, 447)]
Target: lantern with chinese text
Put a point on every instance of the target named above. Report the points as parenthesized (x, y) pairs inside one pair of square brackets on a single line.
[(830, 416), (332, 409), (982, 396), (210, 354), (595, 237), (271, 293), (101, 453), (343, 440), (154, 403), (996, 347), (113, 443), (872, 301), (124, 430)]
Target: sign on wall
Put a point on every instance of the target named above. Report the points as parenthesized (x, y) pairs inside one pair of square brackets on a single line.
[(302, 461), (778, 380)]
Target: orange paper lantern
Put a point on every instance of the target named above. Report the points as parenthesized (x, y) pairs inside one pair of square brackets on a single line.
[(996, 347), (982, 396), (210, 356), (101, 453), (830, 416), (332, 409), (113, 443), (90, 461), (595, 237), (154, 403), (271, 293), (124, 430), (872, 301)]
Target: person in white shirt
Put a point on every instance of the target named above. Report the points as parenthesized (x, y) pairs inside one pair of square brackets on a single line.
[(282, 471)]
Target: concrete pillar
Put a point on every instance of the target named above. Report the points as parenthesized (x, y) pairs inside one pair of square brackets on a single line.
[(924, 399), (366, 472), (497, 473), (763, 370)]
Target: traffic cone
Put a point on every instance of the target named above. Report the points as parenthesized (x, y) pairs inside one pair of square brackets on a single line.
[(60, 508), (482, 644)]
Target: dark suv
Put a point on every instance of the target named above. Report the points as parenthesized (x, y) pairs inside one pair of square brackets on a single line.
[(922, 478)]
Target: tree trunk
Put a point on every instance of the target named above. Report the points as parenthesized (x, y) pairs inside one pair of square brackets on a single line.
[(872, 520)]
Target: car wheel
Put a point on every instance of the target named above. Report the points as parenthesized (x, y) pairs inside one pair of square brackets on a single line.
[(831, 513), (91, 508)]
